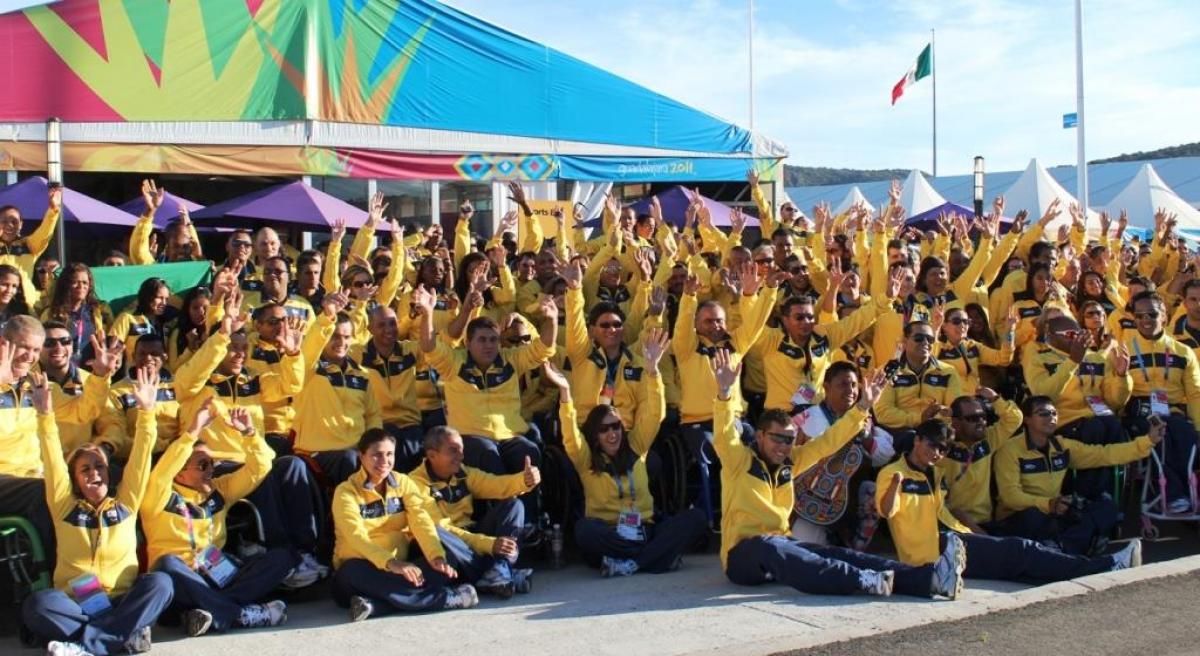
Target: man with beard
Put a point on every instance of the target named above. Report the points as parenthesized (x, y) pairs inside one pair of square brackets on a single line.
[(968, 460)]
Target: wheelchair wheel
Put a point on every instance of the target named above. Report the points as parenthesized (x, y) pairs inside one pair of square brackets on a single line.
[(562, 500), (671, 489)]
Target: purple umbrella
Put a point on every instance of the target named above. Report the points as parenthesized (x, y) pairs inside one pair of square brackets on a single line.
[(674, 202), (927, 220), (291, 203), (168, 211), (81, 213)]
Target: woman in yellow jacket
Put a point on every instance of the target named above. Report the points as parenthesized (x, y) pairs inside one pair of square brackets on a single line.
[(150, 315), (377, 514), (99, 604), (619, 532), (75, 304)]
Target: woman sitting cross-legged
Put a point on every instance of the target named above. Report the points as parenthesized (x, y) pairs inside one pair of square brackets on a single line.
[(99, 604), (619, 532), (377, 513)]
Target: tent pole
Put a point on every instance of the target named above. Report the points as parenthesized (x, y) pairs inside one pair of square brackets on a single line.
[(750, 32), (1081, 171), (54, 174)]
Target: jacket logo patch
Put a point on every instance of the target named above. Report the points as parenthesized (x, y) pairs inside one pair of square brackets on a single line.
[(378, 508), (914, 486)]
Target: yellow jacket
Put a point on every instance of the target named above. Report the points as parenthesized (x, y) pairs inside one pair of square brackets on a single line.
[(1028, 477), (19, 451), (23, 253), (969, 355), (756, 500), (605, 491), (901, 405), (1165, 364), (693, 353), (169, 509), (790, 365), (112, 428), (1050, 372), (393, 380), (335, 407), (919, 508), (247, 390), (128, 327), (968, 467), (453, 500), (486, 401), (99, 540), (378, 527), (78, 402)]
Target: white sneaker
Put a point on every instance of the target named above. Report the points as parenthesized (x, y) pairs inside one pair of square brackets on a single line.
[(947, 571), (300, 577), (463, 596), (878, 584), (360, 608), (1129, 557), (610, 567), (248, 550), (139, 642), (309, 561), (253, 616), (1179, 506), (197, 622), (57, 648)]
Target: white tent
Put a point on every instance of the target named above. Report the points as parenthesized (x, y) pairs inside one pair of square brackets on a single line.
[(917, 195), (1144, 194), (1034, 191), (854, 197)]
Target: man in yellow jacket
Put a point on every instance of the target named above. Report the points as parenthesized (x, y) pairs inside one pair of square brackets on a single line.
[(22, 491), (183, 516), (911, 495), (392, 365), (1029, 475), (757, 496), (23, 252), (922, 387)]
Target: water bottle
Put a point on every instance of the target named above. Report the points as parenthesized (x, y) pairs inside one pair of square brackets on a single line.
[(557, 560)]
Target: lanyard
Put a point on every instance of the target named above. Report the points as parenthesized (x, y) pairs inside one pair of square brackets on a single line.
[(187, 517), (632, 488), (1137, 350)]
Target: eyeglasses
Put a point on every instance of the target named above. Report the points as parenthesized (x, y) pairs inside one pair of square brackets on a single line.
[(1046, 413), (359, 284), (609, 426), (959, 321), (57, 341), (921, 338), (783, 439), (1152, 315), (240, 243), (278, 273), (204, 465), (610, 325), (787, 208), (977, 417)]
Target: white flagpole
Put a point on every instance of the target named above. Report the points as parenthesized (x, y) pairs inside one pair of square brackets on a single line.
[(750, 33), (933, 74), (1081, 158)]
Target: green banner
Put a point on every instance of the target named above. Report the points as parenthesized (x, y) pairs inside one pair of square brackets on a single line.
[(118, 286)]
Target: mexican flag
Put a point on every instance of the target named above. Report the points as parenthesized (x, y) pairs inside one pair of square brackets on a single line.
[(919, 70)]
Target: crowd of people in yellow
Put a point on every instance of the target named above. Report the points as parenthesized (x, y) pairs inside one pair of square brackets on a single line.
[(388, 412)]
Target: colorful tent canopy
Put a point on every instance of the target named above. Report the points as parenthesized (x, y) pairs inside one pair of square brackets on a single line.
[(166, 212), (82, 215), (387, 88), (1035, 190), (674, 202), (289, 203)]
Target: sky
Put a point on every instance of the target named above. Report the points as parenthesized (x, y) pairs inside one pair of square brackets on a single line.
[(824, 70)]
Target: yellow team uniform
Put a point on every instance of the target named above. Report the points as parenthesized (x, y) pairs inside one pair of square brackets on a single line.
[(910, 393), (918, 512), (968, 466), (379, 526)]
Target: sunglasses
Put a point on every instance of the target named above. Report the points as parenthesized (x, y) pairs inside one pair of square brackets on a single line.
[(803, 316), (763, 261), (359, 284), (959, 321), (610, 325), (240, 243), (204, 465), (782, 439), (787, 208), (795, 271), (1046, 412), (57, 341), (921, 338), (609, 426)]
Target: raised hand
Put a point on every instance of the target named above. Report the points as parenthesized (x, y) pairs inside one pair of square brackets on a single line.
[(331, 304), (724, 371), (424, 300), (1020, 220), (240, 421), (375, 209), (43, 401), (1079, 346), (895, 282), (548, 308), (691, 285), (339, 230), (517, 195), (290, 336), (998, 207), (106, 359), (872, 388), (55, 198), (557, 378), (145, 390), (658, 301), (508, 222), (234, 318), (467, 210), (752, 177), (645, 266), (1120, 360), (152, 196), (654, 346), (203, 419), (574, 275), (1052, 212), (748, 277), (1010, 321), (737, 220), (777, 278), (937, 317)]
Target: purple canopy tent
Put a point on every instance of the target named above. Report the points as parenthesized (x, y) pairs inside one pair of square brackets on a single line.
[(293, 203), (927, 220), (674, 203), (168, 211), (83, 216)]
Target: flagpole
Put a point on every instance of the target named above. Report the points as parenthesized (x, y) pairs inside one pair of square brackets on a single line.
[(750, 32), (1081, 159), (933, 74)]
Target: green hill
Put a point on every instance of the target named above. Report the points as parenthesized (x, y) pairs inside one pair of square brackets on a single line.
[(1183, 150), (811, 176)]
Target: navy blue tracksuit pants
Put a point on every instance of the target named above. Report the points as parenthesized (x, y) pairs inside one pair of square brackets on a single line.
[(816, 569), (1075, 536), (388, 592), (665, 541), (54, 615), (1018, 559), (255, 579)]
